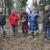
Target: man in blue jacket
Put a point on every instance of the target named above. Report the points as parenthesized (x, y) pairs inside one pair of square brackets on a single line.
[(32, 20)]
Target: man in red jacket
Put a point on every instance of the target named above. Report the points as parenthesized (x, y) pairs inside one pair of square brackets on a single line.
[(13, 18)]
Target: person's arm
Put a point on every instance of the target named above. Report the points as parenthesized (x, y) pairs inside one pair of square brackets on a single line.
[(28, 17)]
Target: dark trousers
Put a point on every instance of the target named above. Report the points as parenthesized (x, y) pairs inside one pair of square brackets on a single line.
[(24, 31), (13, 27), (46, 33), (45, 29), (3, 29)]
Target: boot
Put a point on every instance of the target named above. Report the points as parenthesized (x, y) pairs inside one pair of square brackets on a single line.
[(14, 33), (4, 34), (33, 34)]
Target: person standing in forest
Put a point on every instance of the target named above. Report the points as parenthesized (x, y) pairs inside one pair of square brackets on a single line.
[(13, 19), (24, 23), (32, 21), (2, 20)]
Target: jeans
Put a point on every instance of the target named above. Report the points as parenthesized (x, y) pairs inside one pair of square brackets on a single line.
[(14, 29), (3, 30)]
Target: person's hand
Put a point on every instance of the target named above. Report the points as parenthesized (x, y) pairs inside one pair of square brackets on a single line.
[(18, 23), (49, 18)]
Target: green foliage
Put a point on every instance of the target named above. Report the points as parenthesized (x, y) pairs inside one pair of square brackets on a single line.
[(42, 4), (24, 2), (8, 5), (40, 7)]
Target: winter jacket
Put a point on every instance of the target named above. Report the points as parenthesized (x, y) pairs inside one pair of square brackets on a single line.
[(32, 19), (47, 20), (2, 19), (14, 18), (24, 24)]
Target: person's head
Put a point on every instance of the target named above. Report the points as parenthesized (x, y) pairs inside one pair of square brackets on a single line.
[(47, 8), (23, 14), (34, 9)]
